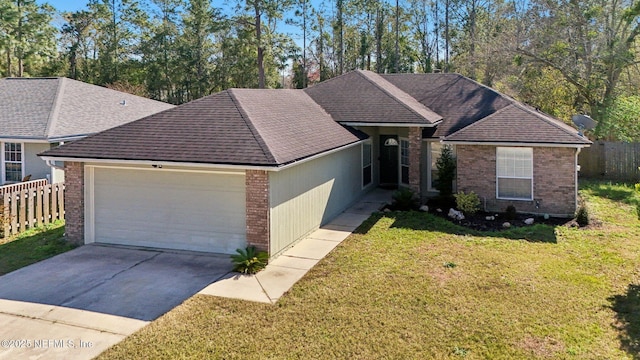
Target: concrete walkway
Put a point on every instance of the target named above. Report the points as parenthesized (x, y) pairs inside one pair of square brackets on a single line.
[(38, 331), (282, 273)]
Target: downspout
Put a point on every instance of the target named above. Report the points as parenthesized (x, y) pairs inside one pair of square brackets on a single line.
[(51, 164)]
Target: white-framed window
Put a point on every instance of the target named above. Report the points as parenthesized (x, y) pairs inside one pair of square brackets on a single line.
[(404, 161), (367, 167), (12, 162), (514, 173)]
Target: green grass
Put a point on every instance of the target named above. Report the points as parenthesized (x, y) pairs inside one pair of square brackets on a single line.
[(32, 246), (414, 286)]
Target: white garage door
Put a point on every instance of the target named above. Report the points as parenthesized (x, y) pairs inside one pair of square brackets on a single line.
[(169, 209)]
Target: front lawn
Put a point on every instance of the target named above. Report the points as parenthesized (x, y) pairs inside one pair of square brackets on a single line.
[(415, 286), (32, 246)]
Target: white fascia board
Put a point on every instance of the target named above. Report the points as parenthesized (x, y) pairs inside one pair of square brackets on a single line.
[(67, 138), (310, 158), (25, 140), (201, 165), (578, 146), (159, 163)]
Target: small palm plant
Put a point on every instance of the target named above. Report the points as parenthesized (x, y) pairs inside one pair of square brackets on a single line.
[(249, 260)]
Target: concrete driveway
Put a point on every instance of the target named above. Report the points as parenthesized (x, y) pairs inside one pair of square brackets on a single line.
[(77, 304)]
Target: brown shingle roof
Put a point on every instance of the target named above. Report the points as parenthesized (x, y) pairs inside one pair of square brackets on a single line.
[(237, 126), (518, 123), (460, 100), (366, 97)]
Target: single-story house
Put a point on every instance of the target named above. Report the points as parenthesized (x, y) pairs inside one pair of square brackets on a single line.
[(37, 114), (267, 167)]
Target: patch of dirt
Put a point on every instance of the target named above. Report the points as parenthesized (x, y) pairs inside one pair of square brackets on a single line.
[(546, 347)]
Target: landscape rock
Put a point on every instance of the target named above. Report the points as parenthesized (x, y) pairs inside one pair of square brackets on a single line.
[(424, 208), (490, 218), (455, 214), (439, 210), (506, 225), (529, 221)]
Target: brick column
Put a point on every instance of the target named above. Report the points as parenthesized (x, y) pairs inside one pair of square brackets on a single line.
[(257, 208), (74, 202), (415, 152)]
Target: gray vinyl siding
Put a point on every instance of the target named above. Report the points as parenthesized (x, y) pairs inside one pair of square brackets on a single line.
[(306, 196), (33, 165)]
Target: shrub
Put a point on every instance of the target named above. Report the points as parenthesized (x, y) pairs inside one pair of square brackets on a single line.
[(582, 216), (249, 260), (510, 212), (468, 203), (446, 165), (404, 199)]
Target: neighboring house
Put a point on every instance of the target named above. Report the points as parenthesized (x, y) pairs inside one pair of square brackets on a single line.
[(39, 113), (267, 167)]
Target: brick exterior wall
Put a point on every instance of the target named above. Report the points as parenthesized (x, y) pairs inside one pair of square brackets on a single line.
[(257, 208), (415, 151), (554, 179), (74, 202)]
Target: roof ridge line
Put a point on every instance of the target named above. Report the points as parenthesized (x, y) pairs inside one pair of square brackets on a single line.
[(361, 73), (481, 120), (502, 95), (254, 131), (57, 103)]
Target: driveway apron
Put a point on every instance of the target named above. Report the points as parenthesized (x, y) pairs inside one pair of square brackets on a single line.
[(77, 304)]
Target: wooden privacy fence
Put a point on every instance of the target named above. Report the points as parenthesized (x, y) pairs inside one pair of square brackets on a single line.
[(611, 160), (31, 207)]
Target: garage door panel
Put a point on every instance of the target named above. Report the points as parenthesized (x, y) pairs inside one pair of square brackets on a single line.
[(177, 210)]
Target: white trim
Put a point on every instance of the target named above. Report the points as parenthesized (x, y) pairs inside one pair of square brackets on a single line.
[(348, 123), (515, 144), (3, 179), (201, 165), (514, 177), (137, 168), (24, 139), (89, 205), (68, 138), (370, 143), (400, 140), (302, 161)]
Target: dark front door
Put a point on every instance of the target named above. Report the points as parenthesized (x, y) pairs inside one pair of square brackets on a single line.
[(389, 160)]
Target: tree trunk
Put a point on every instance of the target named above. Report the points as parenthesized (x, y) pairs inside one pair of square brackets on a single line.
[(397, 55), (261, 80), (340, 40), (379, 29), (304, 44), (446, 36), (8, 61)]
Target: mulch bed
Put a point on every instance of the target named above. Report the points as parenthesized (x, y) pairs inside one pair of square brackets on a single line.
[(479, 220)]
